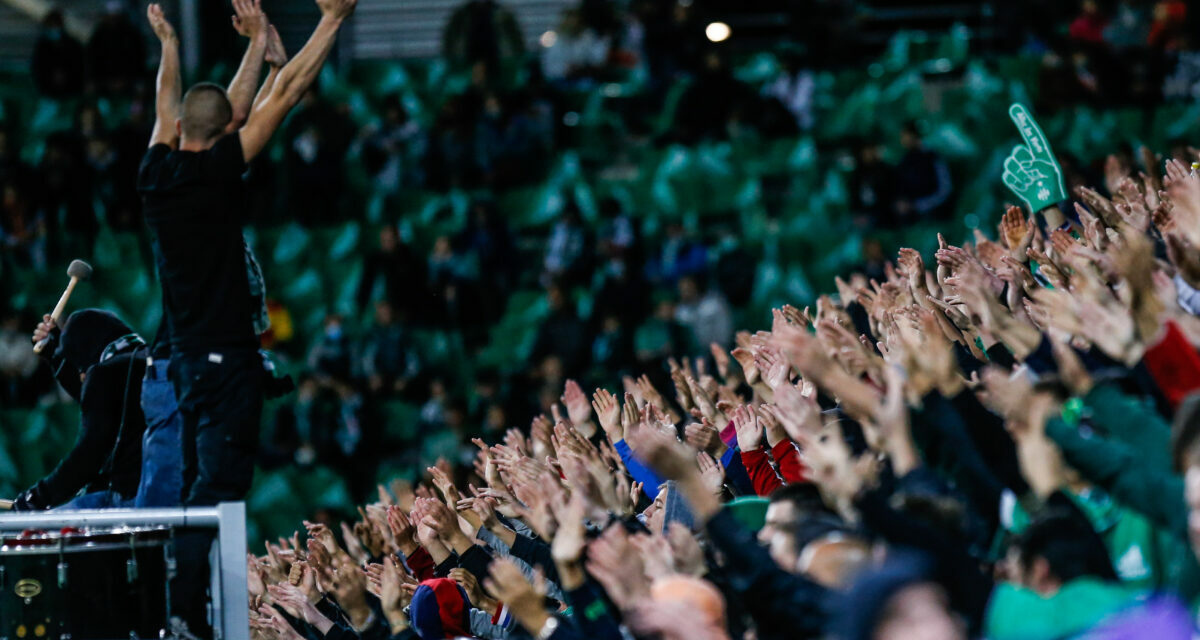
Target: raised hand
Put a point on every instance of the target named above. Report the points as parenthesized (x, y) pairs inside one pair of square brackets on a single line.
[(745, 358), (276, 54), (337, 9), (1017, 232), (248, 19), (576, 403), (618, 568), (508, 585), (649, 394), (703, 436), (749, 431), (712, 473), (159, 24), (1183, 188), (393, 597), (670, 458), (275, 621), (799, 415), (444, 484), (569, 540), (296, 603), (608, 412)]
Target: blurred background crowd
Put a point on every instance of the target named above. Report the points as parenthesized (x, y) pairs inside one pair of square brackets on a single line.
[(448, 239)]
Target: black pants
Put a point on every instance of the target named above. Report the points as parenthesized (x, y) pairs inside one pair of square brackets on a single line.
[(220, 400)]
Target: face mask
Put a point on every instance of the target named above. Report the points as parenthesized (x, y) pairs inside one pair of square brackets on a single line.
[(334, 332)]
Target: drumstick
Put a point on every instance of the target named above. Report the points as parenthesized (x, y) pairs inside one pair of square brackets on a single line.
[(6, 505)]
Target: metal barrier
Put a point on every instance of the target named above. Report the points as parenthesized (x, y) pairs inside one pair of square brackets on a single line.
[(231, 620)]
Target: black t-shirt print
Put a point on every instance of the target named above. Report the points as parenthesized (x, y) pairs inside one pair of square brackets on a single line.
[(195, 206)]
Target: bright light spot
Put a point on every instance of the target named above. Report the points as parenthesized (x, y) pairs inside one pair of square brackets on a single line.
[(548, 39), (717, 32)]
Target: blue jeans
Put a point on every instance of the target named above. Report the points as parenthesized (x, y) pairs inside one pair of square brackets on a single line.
[(162, 449), (97, 500)]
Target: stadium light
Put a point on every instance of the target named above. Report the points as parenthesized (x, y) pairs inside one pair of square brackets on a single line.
[(717, 32)]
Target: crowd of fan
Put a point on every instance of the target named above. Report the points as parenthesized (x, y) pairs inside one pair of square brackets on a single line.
[(995, 445)]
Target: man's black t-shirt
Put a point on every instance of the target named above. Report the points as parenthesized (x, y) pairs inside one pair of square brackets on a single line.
[(194, 204)]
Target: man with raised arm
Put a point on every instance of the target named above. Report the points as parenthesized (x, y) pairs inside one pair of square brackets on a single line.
[(191, 181)]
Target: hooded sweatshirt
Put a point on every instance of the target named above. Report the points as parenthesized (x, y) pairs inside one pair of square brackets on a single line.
[(98, 344)]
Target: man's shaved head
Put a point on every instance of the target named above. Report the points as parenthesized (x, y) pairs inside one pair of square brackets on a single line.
[(206, 112)]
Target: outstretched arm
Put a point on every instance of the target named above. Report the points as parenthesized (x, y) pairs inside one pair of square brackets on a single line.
[(169, 84), (276, 57), (295, 78), (249, 21)]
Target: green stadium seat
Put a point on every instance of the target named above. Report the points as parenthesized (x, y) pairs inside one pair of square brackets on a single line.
[(400, 420)]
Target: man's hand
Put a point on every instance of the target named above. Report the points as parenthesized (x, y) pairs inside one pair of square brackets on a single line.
[(44, 328), (703, 436), (749, 431), (337, 9), (608, 411), (159, 24), (248, 19), (276, 55), (1017, 232), (576, 403), (712, 472)]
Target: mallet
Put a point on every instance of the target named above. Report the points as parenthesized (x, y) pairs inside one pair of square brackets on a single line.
[(78, 270)]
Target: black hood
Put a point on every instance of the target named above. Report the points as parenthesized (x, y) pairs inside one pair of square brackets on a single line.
[(86, 334)]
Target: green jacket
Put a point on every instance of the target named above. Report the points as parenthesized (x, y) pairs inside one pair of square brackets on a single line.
[(1019, 613), (1132, 465), (1132, 541)]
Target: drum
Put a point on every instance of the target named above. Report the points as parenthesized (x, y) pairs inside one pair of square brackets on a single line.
[(105, 584)]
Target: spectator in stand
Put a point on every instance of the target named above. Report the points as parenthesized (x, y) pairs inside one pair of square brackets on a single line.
[(389, 357), (712, 99), (20, 384), (562, 334), (396, 273), (705, 312), (612, 348), (485, 33), (116, 53), (453, 159), (796, 88), (679, 255), (487, 239), (736, 268), (922, 180), (392, 150), (1130, 25), (661, 336), (873, 188), (318, 136), (1169, 28), (23, 228), (674, 39), (1088, 27), (452, 279), (331, 356), (66, 197), (577, 55), (57, 59), (568, 249), (129, 141)]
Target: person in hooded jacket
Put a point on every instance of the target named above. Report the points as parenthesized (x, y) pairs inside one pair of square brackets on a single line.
[(100, 361)]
